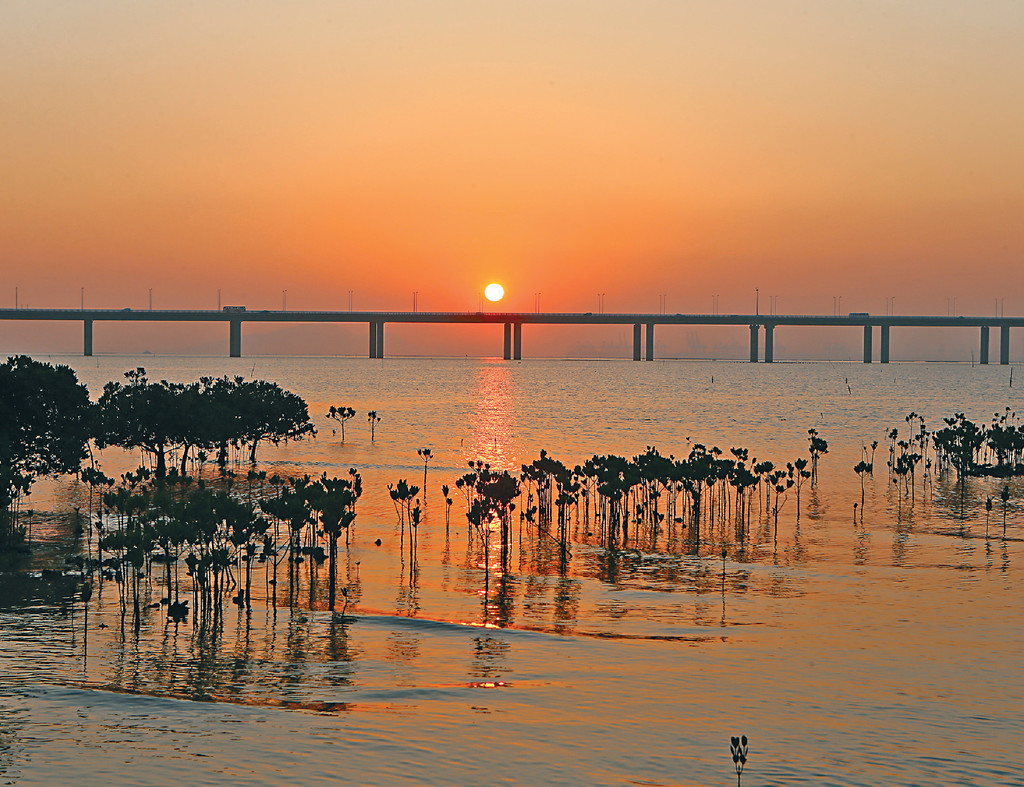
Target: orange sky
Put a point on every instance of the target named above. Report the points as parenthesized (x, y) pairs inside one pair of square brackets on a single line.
[(809, 149)]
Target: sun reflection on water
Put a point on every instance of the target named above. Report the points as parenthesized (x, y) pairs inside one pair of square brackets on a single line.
[(494, 418)]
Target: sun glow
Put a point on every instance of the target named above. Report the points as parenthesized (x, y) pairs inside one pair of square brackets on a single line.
[(494, 292)]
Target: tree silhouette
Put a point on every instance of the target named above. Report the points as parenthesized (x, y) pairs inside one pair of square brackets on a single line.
[(160, 417), (264, 411), (143, 415), (45, 420)]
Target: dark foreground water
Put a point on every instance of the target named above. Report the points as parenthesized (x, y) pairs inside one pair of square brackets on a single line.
[(886, 652)]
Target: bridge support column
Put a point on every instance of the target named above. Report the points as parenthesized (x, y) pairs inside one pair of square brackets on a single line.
[(636, 341), (380, 339), (373, 339), (235, 340), (867, 344), (1004, 344), (517, 341), (883, 350), (507, 354), (769, 343), (984, 345), (650, 341), (88, 338), (753, 342)]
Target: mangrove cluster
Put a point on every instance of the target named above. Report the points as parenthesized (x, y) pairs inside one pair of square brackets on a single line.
[(48, 424)]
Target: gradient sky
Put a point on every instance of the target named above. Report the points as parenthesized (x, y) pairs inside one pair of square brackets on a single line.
[(809, 149)]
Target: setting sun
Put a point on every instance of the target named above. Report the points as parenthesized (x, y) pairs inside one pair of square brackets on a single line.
[(494, 292)]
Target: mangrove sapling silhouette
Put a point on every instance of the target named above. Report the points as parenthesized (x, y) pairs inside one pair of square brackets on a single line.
[(900, 470), (171, 533), (781, 482), (913, 459), (1004, 439), (903, 469), (743, 481), (499, 491), (958, 444), (656, 481), (94, 478), (334, 499), (612, 480), (738, 748), (426, 455), (292, 508), (988, 515), (415, 514), (862, 469), (548, 476), (801, 474), (131, 542), (341, 415), (245, 529), (818, 446), (447, 505), (893, 436), (197, 517), (402, 495), (373, 420), (493, 504), (764, 470), (695, 473)]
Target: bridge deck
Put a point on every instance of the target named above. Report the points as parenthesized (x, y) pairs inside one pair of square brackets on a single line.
[(514, 321)]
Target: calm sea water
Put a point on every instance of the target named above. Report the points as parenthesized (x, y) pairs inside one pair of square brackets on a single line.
[(886, 652)]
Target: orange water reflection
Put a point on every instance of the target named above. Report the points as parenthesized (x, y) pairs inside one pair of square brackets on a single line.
[(494, 418)]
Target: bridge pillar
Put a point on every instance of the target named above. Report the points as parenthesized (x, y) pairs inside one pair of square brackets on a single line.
[(517, 341), (753, 342), (88, 337), (373, 339), (883, 350), (507, 354), (636, 341), (984, 345), (236, 338), (380, 339), (650, 341), (867, 344), (769, 343), (1004, 344)]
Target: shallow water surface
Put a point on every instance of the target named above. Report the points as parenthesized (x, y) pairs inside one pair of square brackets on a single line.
[(882, 652)]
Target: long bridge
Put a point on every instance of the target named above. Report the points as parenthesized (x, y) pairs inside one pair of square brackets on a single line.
[(644, 325)]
